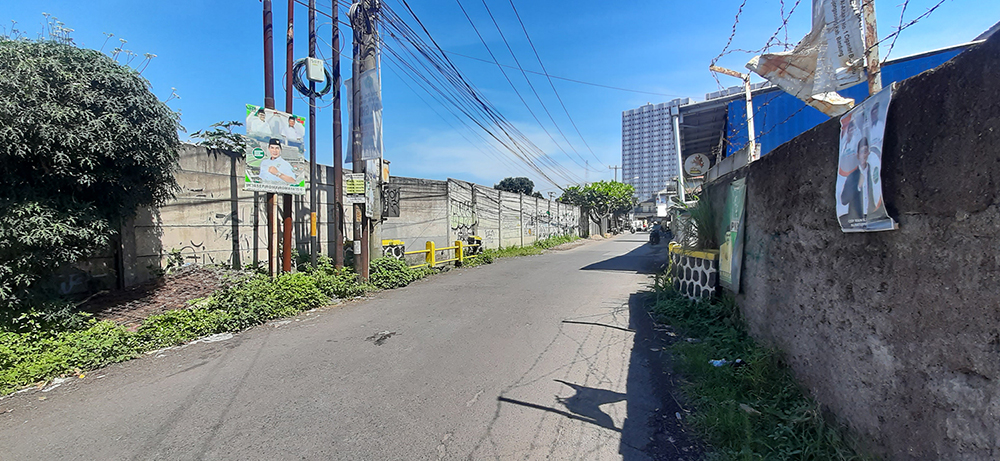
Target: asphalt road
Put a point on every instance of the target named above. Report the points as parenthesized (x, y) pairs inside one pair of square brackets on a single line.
[(541, 357)]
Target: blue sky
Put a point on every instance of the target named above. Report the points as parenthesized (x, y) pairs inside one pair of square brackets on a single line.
[(211, 52)]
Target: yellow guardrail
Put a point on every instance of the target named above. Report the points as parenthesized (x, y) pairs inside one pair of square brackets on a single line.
[(430, 253)]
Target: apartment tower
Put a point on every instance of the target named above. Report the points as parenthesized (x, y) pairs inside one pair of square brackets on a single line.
[(649, 158)]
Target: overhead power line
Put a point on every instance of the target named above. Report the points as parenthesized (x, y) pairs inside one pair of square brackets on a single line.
[(506, 77), (535, 92), (564, 78), (442, 77), (549, 78)]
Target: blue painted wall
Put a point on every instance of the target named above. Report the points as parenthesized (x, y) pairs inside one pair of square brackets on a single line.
[(779, 116)]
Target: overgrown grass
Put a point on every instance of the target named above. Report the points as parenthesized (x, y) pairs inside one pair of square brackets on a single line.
[(488, 255), (749, 411), (42, 348), (40, 354)]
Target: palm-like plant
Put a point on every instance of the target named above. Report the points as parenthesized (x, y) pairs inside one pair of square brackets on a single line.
[(694, 224)]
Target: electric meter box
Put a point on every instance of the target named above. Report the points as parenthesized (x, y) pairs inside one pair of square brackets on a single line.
[(314, 70)]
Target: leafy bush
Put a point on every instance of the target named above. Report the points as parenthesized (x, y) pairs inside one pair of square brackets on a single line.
[(253, 300), (34, 356), (26, 358), (84, 144), (484, 257), (341, 283), (488, 255), (180, 325), (387, 273), (696, 225), (556, 240)]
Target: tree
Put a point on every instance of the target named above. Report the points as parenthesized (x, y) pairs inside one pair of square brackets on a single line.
[(220, 136), (517, 185), (601, 199), (84, 144)]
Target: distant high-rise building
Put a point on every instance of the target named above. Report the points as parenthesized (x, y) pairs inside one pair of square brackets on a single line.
[(649, 158)]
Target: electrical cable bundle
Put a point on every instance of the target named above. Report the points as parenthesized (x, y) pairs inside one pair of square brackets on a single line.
[(302, 87)]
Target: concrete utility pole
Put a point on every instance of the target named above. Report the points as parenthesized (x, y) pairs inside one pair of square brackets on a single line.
[(362, 15), (751, 133), (338, 167), (871, 47), (615, 167)]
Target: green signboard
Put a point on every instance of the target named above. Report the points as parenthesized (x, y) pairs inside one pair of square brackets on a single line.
[(731, 251)]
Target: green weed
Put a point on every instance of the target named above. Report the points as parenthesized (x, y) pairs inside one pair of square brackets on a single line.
[(387, 273), (751, 411), (36, 355), (488, 255), (26, 358), (256, 299)]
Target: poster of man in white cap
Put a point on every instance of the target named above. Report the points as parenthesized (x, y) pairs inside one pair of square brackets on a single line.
[(274, 156), (860, 204)]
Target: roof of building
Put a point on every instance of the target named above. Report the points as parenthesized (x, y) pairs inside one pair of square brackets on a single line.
[(703, 126)]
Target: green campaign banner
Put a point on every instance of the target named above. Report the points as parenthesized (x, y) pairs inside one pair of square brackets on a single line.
[(275, 152), (731, 251)]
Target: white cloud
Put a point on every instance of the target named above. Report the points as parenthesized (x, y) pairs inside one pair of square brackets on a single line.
[(442, 154)]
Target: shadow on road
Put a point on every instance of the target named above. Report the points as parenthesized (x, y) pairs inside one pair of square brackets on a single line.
[(583, 406), (645, 259), (653, 425), (653, 421)]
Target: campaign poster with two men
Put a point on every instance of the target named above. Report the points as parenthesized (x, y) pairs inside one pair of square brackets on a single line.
[(275, 155), (860, 204)]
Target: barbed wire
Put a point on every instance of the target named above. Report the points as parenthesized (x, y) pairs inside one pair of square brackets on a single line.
[(759, 110), (767, 45), (902, 27)]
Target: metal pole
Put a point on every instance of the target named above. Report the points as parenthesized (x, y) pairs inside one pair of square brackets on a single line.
[(286, 202), (313, 241), (289, 54), (268, 57), (272, 203), (871, 47), (338, 154), (675, 114), (751, 134)]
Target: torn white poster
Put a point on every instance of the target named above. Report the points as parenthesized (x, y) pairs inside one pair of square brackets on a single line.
[(828, 59)]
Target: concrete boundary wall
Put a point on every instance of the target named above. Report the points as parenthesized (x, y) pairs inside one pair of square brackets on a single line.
[(488, 215), (213, 221), (510, 219), (897, 333)]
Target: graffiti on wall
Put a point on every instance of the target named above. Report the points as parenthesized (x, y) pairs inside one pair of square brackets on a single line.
[(462, 219), (531, 224), (490, 238)]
